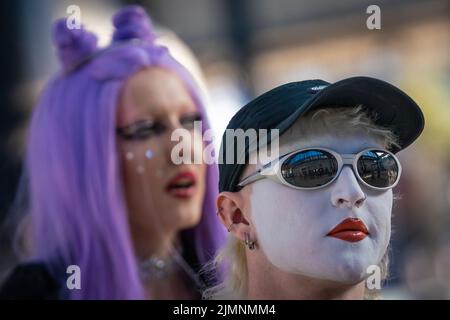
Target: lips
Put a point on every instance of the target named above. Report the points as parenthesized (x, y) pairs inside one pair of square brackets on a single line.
[(183, 185), (350, 229)]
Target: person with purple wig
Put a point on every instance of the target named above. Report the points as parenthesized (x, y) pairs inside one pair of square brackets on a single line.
[(107, 203)]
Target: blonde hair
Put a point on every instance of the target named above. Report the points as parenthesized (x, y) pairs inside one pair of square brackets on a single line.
[(336, 121), (341, 122)]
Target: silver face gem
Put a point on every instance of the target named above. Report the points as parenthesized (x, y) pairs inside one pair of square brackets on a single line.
[(140, 169), (149, 154)]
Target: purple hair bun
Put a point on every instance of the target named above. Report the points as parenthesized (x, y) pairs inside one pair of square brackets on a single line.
[(72, 44), (132, 22)]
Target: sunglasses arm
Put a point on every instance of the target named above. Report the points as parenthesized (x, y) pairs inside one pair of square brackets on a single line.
[(255, 176), (265, 172)]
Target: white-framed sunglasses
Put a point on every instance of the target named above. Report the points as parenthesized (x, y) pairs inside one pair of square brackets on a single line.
[(314, 168)]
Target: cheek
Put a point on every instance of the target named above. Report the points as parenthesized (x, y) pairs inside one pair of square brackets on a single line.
[(379, 208), (269, 213), (197, 145), (202, 170), (197, 148), (283, 221), (287, 213), (142, 166)]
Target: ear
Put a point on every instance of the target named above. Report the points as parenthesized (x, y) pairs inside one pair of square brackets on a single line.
[(232, 215)]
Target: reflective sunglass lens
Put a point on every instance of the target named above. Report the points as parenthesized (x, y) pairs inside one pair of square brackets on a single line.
[(378, 168), (309, 168)]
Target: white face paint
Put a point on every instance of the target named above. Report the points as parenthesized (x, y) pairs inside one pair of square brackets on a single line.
[(292, 225)]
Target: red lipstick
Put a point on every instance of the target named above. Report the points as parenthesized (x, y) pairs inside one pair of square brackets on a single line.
[(183, 185), (350, 229)]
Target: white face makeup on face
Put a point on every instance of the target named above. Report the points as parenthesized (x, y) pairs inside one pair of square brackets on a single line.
[(292, 225)]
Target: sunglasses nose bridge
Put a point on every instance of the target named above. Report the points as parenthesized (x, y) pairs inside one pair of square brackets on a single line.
[(347, 190), (347, 160)]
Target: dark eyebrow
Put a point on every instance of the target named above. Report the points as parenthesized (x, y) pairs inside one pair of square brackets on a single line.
[(125, 130)]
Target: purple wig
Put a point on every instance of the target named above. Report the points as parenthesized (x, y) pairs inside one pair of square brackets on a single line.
[(77, 205)]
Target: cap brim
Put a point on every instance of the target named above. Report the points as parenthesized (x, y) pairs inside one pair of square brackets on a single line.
[(395, 110)]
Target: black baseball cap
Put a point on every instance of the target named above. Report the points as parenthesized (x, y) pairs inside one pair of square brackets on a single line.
[(280, 107)]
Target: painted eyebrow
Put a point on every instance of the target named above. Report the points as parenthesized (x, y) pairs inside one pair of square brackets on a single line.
[(146, 119), (136, 123)]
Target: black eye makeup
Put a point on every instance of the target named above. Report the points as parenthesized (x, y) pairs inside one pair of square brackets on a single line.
[(141, 130), (145, 129), (188, 120)]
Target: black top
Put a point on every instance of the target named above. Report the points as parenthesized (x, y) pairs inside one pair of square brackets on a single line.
[(33, 280), (30, 281)]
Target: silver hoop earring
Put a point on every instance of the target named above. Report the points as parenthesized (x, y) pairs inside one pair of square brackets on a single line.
[(229, 228), (248, 243)]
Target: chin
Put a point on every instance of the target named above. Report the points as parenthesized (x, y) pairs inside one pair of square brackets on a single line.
[(351, 273), (352, 278), (189, 218)]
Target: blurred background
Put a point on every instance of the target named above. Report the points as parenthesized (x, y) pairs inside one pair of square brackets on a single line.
[(238, 49)]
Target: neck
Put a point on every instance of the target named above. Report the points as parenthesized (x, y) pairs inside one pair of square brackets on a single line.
[(155, 243), (269, 282)]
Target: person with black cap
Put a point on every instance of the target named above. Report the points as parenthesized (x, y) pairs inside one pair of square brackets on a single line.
[(314, 220)]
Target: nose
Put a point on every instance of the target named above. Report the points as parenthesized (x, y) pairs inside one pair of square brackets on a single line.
[(346, 190)]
